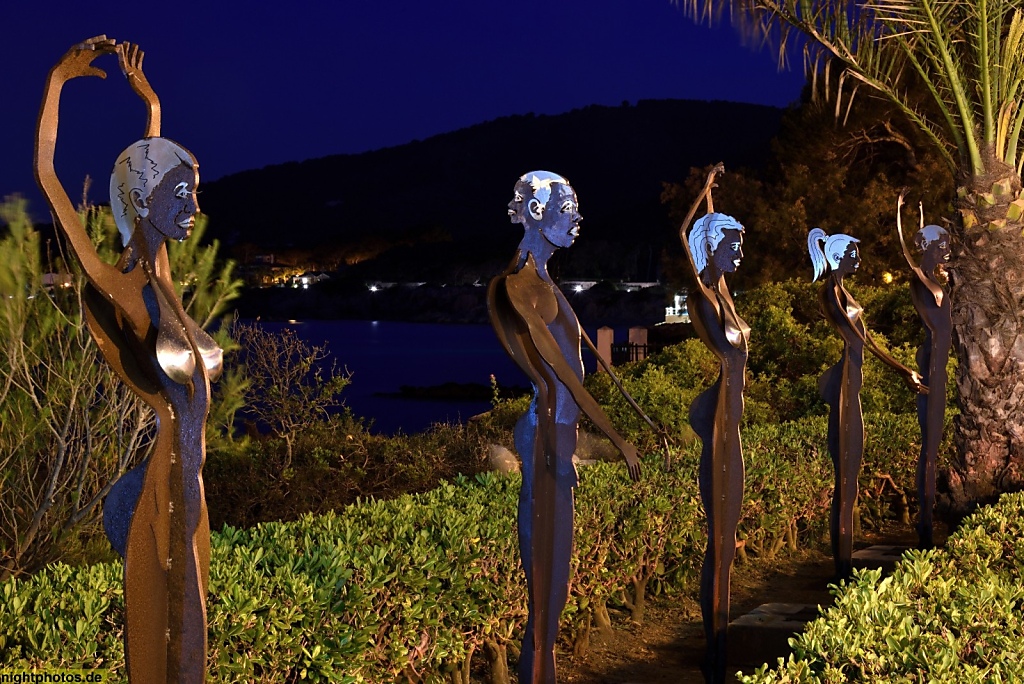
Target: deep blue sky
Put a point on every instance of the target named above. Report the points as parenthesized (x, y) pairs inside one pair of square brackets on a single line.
[(244, 85)]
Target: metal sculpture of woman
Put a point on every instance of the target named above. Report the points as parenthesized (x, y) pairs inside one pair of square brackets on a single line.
[(714, 248), (840, 385), (155, 515), (539, 330), (931, 299)]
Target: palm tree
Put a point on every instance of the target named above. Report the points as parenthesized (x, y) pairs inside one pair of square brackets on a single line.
[(968, 57)]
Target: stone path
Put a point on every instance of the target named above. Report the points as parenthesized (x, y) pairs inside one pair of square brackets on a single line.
[(669, 646)]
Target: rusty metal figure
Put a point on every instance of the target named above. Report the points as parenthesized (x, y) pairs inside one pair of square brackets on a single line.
[(714, 248), (931, 299), (155, 514), (840, 385), (540, 331)]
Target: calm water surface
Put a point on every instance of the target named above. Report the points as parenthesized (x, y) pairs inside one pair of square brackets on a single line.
[(384, 355)]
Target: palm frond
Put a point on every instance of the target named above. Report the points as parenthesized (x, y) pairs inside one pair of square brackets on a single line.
[(1010, 81), (967, 54)]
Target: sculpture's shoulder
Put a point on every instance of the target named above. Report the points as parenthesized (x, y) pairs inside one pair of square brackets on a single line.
[(499, 304), (843, 312), (929, 295), (532, 295), (837, 302)]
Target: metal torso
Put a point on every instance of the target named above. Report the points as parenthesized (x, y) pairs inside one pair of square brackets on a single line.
[(840, 387), (549, 475), (715, 416), (932, 358), (168, 550)]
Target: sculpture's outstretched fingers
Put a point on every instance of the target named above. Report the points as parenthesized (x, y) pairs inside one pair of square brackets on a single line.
[(78, 60), (130, 57)]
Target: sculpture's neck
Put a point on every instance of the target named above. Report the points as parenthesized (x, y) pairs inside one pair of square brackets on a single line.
[(711, 275), (533, 243)]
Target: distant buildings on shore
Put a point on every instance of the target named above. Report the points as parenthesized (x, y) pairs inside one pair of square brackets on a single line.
[(677, 312)]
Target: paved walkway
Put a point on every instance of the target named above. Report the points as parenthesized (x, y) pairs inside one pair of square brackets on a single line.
[(669, 646)]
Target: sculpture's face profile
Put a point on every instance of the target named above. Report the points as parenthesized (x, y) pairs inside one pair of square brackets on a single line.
[(515, 207), (172, 205), (729, 253), (850, 260), (936, 252), (558, 220)]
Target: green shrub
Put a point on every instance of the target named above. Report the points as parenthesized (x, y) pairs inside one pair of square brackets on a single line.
[(943, 615), (664, 386), (335, 462), (291, 389), (415, 586)]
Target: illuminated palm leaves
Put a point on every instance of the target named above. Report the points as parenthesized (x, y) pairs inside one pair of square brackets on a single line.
[(968, 55)]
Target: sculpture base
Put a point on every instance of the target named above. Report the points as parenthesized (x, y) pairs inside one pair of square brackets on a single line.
[(762, 635), (879, 556)]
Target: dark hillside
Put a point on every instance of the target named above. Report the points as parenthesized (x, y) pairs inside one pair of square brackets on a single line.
[(457, 184)]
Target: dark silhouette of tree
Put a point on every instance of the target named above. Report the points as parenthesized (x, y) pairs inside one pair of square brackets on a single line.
[(841, 176)]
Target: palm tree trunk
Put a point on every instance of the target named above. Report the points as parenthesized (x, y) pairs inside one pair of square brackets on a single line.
[(988, 336)]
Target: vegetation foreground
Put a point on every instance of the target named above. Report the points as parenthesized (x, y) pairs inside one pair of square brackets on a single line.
[(950, 614), (428, 587)]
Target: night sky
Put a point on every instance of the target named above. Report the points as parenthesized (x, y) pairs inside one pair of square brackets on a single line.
[(244, 85)]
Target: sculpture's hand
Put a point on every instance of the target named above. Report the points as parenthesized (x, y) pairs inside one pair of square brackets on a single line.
[(632, 461), (915, 382), (130, 57), (78, 60), (710, 185), (716, 170)]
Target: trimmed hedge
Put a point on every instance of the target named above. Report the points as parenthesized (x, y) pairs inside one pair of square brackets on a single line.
[(335, 462), (949, 615), (413, 587)]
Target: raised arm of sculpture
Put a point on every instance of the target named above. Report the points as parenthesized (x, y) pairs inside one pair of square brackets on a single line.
[(932, 286), (76, 62), (130, 57), (694, 271)]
